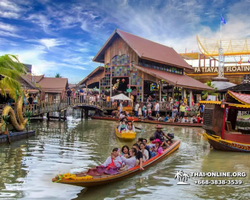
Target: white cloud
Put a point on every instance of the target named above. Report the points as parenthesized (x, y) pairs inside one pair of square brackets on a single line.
[(8, 5), (78, 60), (50, 42), (41, 20), (9, 34), (7, 27), (11, 15)]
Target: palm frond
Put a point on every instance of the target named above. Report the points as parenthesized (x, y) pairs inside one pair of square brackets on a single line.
[(11, 62)]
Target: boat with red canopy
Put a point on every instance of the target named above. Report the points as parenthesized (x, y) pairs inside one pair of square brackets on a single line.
[(224, 130), (94, 176)]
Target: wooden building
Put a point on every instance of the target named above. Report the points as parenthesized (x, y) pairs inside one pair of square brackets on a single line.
[(135, 62), (52, 89)]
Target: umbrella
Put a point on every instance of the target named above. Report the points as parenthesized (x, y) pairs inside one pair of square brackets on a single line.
[(121, 97)]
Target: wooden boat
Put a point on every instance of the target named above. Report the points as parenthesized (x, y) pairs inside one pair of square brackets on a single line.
[(135, 119), (172, 123), (222, 131), (102, 179), (130, 135), (151, 122), (226, 145)]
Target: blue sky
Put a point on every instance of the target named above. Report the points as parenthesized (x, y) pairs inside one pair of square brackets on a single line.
[(63, 36)]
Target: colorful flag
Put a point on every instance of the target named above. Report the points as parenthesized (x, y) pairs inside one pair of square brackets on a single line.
[(222, 20)]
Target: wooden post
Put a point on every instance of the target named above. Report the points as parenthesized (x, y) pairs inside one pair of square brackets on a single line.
[(199, 57), (110, 64), (184, 93), (160, 91), (60, 115), (82, 114), (190, 97), (65, 115), (86, 113), (142, 86), (99, 89), (48, 116)]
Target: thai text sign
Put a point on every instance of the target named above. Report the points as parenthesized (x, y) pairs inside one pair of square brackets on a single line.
[(229, 69)]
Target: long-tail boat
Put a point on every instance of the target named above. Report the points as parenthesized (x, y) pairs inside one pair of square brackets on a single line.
[(223, 131), (130, 135), (150, 121), (94, 178)]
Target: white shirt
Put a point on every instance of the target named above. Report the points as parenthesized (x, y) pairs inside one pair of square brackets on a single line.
[(146, 153), (137, 107), (184, 120), (130, 162), (157, 107)]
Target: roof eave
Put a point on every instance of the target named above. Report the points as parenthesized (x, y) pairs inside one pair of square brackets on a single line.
[(183, 67), (99, 52)]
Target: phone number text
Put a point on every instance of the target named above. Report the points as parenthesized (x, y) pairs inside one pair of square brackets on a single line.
[(218, 182)]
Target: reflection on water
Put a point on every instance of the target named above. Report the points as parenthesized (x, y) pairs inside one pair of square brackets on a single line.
[(28, 166)]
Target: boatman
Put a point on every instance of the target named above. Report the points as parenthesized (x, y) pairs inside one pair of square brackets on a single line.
[(159, 134)]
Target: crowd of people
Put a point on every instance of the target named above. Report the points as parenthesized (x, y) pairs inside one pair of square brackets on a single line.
[(140, 152)]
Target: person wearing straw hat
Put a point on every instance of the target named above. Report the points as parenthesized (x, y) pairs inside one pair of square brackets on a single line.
[(159, 134)]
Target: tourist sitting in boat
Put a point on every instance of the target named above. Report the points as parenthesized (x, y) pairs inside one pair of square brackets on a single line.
[(176, 119), (157, 149), (199, 119), (114, 160), (139, 156), (166, 118), (127, 114), (144, 152), (184, 120), (131, 161), (147, 147), (122, 126), (150, 118), (130, 126), (115, 113), (122, 115), (194, 120), (159, 134), (125, 151)]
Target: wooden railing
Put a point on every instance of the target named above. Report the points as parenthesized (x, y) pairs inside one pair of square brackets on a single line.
[(59, 105)]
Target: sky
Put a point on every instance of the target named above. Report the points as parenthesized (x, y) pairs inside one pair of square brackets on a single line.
[(63, 36)]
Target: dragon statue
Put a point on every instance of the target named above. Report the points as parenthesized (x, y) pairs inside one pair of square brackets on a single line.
[(13, 120)]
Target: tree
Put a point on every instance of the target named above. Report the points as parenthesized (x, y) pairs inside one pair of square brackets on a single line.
[(58, 75), (11, 70), (209, 92)]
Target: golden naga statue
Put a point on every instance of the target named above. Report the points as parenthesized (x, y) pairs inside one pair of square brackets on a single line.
[(13, 120)]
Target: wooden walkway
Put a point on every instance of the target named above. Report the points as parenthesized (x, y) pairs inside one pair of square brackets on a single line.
[(60, 106), (78, 102)]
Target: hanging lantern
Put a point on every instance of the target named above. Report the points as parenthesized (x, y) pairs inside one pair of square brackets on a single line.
[(123, 80), (128, 86)]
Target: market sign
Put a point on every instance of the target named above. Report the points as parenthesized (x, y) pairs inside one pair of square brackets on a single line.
[(129, 90), (229, 69)]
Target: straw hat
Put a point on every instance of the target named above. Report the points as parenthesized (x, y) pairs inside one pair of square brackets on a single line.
[(158, 126)]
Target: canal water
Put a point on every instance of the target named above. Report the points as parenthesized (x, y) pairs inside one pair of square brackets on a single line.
[(27, 166)]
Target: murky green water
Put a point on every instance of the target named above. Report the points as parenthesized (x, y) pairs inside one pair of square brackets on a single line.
[(27, 166)]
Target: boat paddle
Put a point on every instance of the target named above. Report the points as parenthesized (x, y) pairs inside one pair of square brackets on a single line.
[(138, 128)]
